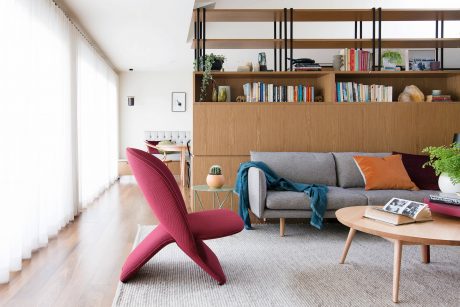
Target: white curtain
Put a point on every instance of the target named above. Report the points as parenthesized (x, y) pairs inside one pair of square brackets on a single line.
[(39, 164), (97, 123)]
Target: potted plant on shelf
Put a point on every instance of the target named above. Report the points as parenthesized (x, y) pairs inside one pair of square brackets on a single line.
[(446, 162), (215, 179), (210, 63)]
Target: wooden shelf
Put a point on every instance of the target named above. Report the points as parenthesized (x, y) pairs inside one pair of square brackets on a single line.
[(289, 74), (329, 43), (420, 15), (323, 15)]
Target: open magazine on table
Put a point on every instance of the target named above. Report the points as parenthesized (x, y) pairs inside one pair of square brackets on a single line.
[(400, 211)]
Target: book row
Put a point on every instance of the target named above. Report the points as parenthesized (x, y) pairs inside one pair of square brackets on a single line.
[(356, 92), (262, 92), (356, 60)]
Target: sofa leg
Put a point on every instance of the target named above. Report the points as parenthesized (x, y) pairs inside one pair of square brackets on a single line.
[(282, 226)]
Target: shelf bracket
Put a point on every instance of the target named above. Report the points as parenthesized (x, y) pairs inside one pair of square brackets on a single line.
[(291, 20), (198, 30), (204, 35), (380, 38), (373, 38), (285, 39), (442, 48), (274, 47)]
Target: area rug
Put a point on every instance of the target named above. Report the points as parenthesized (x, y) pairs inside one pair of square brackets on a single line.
[(300, 269)]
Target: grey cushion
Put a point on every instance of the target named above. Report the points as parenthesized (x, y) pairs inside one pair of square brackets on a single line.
[(348, 174), (304, 167), (381, 197), (336, 198)]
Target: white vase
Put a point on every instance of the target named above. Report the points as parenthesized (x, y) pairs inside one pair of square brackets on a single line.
[(446, 185)]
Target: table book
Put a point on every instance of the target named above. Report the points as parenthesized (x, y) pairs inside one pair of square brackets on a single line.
[(399, 212)]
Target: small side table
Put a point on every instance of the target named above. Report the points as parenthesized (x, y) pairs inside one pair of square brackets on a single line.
[(215, 196)]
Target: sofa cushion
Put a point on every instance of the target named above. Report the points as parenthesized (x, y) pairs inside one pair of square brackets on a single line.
[(381, 197), (304, 167), (348, 175), (387, 173), (336, 198), (424, 177)]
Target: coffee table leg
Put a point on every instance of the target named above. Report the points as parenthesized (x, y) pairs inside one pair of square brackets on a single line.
[(351, 234), (425, 253), (396, 269)]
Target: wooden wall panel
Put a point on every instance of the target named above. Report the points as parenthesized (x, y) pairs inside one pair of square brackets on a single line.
[(225, 133)]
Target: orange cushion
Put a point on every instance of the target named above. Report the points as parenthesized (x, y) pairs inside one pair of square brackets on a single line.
[(387, 173)]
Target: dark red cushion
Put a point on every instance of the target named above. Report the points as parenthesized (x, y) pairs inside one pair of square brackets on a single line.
[(151, 149), (424, 178)]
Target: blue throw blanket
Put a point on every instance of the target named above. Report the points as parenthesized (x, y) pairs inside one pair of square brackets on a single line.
[(316, 193)]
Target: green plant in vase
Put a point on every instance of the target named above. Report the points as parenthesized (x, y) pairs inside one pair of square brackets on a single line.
[(446, 162), (210, 63)]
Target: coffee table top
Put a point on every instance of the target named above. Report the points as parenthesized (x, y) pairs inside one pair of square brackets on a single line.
[(443, 230)]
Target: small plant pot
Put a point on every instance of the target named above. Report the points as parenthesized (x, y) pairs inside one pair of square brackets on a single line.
[(446, 185), (215, 181), (217, 65)]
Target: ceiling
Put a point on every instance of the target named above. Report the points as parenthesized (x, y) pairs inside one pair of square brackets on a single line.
[(146, 35)]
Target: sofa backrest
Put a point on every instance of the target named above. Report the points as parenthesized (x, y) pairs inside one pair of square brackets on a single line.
[(348, 174), (304, 167)]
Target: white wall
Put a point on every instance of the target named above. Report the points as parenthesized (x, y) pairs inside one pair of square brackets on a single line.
[(152, 108)]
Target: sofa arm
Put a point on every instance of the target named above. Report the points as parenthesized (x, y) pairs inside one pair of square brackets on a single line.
[(257, 189)]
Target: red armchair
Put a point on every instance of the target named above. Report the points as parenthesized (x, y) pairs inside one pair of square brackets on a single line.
[(187, 230)]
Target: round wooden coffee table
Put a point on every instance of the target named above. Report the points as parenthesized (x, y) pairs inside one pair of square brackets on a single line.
[(444, 230)]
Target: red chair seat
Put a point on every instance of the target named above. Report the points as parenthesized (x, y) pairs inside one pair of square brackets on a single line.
[(214, 224)]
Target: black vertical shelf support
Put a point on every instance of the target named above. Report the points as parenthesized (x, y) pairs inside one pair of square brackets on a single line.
[(198, 34), (204, 35), (373, 38), (361, 32), (380, 38), (442, 48), (356, 29), (436, 36), (279, 46), (285, 39), (196, 49), (274, 47), (291, 38)]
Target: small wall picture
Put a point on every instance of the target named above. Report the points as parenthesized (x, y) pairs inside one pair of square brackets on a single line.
[(420, 59), (178, 101)]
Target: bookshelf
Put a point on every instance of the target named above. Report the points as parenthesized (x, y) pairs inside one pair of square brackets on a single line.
[(225, 132), (325, 82), (285, 21)]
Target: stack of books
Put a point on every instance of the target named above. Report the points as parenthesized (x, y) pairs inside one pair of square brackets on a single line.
[(356, 60), (444, 203), (307, 67), (441, 98), (262, 92), (356, 92)]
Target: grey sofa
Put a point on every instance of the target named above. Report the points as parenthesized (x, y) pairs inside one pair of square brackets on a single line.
[(337, 170)]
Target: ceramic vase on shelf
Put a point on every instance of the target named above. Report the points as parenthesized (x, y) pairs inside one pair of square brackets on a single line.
[(224, 94), (446, 185), (215, 179)]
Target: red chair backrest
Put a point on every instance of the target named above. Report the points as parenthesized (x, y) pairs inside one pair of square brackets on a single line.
[(163, 195)]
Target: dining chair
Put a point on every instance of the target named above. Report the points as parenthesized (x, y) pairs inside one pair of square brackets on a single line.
[(187, 230), (188, 161)]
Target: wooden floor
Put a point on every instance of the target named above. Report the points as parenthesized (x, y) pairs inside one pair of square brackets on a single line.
[(81, 266)]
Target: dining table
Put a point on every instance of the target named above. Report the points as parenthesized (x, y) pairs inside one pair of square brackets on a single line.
[(182, 149)]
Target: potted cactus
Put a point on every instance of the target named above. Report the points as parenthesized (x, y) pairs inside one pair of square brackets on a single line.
[(215, 179)]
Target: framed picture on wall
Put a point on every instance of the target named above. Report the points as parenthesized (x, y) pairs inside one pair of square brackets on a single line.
[(178, 101)]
